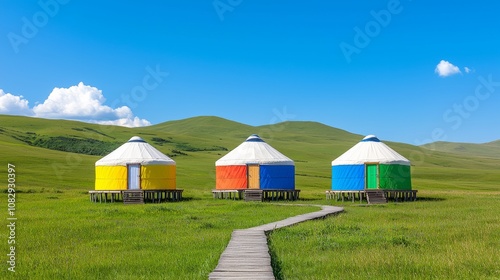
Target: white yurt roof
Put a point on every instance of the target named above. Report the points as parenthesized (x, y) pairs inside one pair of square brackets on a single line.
[(135, 151), (254, 151), (370, 149)]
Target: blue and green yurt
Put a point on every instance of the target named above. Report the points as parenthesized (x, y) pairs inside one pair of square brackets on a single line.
[(370, 164)]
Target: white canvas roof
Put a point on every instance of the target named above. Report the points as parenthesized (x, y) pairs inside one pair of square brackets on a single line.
[(370, 149), (254, 151), (135, 151)]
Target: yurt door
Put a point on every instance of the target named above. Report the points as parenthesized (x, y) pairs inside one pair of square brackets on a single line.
[(134, 176), (371, 176), (253, 176)]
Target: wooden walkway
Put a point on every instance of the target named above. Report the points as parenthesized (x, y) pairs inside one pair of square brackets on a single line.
[(247, 254)]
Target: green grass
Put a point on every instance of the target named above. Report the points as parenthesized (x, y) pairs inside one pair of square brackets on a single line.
[(61, 235), (445, 235)]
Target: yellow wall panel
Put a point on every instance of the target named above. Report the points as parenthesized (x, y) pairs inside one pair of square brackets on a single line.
[(153, 177), (158, 177), (110, 178)]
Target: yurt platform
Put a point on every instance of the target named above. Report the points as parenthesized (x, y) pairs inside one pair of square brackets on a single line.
[(257, 195), (136, 196), (390, 195)]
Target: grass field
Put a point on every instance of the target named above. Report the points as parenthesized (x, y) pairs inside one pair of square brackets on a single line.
[(451, 232), (61, 235), (444, 235)]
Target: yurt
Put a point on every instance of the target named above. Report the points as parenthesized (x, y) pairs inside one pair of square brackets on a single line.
[(135, 165), (254, 164), (370, 164)]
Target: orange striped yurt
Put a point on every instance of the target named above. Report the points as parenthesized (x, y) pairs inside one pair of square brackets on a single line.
[(254, 164)]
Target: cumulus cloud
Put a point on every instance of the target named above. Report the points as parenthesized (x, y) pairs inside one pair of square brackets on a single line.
[(80, 102), (130, 122), (445, 69), (13, 105), (467, 70)]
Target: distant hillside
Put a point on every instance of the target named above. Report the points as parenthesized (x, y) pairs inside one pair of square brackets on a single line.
[(491, 149), (494, 143), (62, 154), (92, 139), (205, 133)]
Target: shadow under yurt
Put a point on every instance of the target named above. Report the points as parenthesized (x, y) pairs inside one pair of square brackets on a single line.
[(373, 171), (255, 171), (135, 172)]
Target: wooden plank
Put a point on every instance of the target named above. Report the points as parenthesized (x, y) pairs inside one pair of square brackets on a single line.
[(240, 276), (133, 197), (375, 197), (253, 195), (251, 267)]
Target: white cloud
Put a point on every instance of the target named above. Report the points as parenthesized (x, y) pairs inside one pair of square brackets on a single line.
[(445, 69), (85, 103), (467, 70), (130, 122), (13, 105), (80, 102)]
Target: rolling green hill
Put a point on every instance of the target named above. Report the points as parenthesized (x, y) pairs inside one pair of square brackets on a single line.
[(490, 149), (450, 232), (61, 153)]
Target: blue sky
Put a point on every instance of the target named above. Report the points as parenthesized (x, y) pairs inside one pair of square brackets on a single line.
[(409, 71)]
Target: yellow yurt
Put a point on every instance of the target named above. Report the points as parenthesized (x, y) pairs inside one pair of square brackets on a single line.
[(135, 165)]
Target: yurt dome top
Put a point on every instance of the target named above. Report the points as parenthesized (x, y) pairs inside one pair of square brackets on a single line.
[(135, 151), (254, 151), (370, 138), (370, 149)]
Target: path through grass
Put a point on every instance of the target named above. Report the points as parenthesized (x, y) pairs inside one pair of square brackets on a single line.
[(445, 235), (61, 235)]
